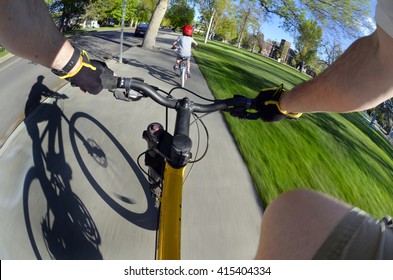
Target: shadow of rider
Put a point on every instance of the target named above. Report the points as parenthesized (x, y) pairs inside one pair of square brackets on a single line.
[(68, 230)]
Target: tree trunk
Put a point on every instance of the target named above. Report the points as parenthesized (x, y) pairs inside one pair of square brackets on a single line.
[(150, 38), (239, 41), (245, 22), (62, 21), (374, 120), (301, 67)]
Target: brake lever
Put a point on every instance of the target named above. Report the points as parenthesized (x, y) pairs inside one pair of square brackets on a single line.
[(131, 95), (128, 93), (242, 113)]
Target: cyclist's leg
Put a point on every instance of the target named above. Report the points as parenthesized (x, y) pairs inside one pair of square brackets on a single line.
[(188, 65), (176, 66), (306, 224), (297, 223)]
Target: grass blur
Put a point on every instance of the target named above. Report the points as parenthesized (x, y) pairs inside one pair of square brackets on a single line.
[(338, 154), (3, 53)]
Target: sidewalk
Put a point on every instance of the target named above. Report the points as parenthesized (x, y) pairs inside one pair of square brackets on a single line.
[(6, 57), (80, 194)]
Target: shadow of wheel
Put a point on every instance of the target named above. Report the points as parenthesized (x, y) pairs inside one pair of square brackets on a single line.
[(146, 219), (67, 229)]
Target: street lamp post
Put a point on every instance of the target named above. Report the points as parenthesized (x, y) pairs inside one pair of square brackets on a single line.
[(210, 25), (122, 30)]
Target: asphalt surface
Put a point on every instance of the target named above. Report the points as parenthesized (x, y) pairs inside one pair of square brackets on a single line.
[(17, 76), (71, 187)]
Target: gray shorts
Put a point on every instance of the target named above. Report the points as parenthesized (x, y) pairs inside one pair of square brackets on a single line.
[(359, 236), (183, 57)]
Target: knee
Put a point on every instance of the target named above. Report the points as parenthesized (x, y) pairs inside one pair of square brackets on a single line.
[(296, 224), (293, 198), (304, 204)]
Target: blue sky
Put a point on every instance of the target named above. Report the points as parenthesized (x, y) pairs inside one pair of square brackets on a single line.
[(272, 31)]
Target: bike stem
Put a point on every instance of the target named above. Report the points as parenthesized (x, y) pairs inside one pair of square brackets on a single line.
[(183, 116), (181, 144)]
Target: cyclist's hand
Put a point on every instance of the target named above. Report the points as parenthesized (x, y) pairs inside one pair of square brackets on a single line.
[(92, 76), (267, 104)]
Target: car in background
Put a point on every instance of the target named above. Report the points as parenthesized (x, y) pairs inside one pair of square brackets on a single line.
[(141, 30)]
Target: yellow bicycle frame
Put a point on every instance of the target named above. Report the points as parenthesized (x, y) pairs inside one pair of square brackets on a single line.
[(170, 214)]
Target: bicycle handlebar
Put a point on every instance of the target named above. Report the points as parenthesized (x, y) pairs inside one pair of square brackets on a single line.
[(238, 106)]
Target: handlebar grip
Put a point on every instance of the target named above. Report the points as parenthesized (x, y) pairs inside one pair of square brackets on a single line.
[(111, 83)]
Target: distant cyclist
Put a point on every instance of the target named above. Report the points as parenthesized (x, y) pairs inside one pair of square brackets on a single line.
[(184, 50)]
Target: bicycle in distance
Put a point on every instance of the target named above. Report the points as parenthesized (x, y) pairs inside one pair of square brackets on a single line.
[(183, 71), (182, 68)]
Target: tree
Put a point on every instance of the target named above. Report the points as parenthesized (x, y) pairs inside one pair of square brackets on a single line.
[(317, 65), (256, 37), (130, 12), (334, 16), (105, 10), (131, 9), (216, 8), (150, 38), (331, 50), (145, 10), (260, 41), (100, 9), (69, 12), (247, 14), (180, 14), (226, 28), (383, 114), (387, 108), (307, 42)]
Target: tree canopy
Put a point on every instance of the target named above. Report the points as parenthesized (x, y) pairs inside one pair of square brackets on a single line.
[(308, 40), (180, 14), (67, 10), (235, 21), (334, 16)]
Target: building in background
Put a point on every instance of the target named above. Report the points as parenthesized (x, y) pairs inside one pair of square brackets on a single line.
[(284, 49)]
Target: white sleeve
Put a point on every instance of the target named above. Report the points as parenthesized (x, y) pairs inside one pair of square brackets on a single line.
[(384, 15)]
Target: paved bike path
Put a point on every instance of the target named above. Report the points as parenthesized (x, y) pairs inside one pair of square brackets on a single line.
[(71, 188)]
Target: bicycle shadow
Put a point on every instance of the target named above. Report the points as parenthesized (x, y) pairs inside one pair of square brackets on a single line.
[(147, 219), (67, 229)]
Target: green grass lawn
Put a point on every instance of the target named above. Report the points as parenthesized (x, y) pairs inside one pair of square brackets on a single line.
[(3, 53), (337, 154)]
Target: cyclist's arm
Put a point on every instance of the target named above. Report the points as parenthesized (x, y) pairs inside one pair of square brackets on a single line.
[(360, 79), (194, 42), (175, 42), (27, 30)]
